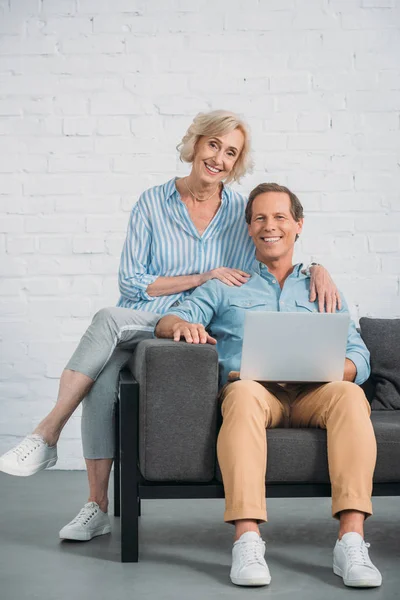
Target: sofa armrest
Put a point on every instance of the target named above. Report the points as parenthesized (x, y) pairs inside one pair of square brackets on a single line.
[(178, 388)]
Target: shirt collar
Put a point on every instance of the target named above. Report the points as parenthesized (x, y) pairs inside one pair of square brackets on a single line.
[(261, 269)]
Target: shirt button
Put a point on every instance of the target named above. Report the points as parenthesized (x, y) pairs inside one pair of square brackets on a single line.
[(274, 281)]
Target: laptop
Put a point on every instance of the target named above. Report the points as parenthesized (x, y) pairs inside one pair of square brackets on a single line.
[(294, 346)]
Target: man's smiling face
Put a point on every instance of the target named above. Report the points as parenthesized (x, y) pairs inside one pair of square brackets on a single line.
[(273, 227)]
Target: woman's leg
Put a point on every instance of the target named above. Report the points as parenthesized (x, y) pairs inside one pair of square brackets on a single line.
[(111, 328)]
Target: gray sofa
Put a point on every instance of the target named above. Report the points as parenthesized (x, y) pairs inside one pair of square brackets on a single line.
[(168, 418)]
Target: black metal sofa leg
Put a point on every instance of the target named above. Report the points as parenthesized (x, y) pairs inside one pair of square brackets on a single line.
[(130, 501), (117, 497)]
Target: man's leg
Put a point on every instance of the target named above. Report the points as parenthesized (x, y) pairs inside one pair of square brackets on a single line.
[(343, 410), (247, 409)]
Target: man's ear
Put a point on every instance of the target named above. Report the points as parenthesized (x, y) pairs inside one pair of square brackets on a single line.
[(248, 229), (300, 226)]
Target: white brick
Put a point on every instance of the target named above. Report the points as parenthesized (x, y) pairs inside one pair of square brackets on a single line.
[(290, 83), (379, 182), (79, 126), (50, 184), (27, 206), (11, 224), (79, 164), (114, 244), (11, 287), (325, 182), (13, 307), (20, 244), (105, 224), (384, 222), (17, 46), (351, 202), (63, 7), (116, 104), (378, 3), (110, 6), (71, 104), (90, 44), (88, 204), (379, 242), (113, 126), (88, 245), (66, 26), (313, 121), (46, 224), (9, 108), (59, 307), (9, 185), (370, 18), (143, 163), (55, 245), (313, 101), (347, 81), (319, 141), (391, 264)]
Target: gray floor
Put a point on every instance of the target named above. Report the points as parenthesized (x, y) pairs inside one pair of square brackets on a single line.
[(184, 549)]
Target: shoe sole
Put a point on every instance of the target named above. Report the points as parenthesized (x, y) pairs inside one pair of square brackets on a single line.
[(251, 582), (86, 537), (360, 583), (31, 471)]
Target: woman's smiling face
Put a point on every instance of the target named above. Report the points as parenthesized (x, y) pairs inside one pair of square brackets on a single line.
[(216, 156)]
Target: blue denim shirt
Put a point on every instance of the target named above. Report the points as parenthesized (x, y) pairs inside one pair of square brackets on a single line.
[(221, 309)]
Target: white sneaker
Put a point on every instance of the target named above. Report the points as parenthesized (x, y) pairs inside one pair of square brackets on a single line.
[(88, 523), (33, 454), (352, 562), (248, 562)]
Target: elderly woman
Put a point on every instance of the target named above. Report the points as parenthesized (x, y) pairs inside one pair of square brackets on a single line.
[(180, 235)]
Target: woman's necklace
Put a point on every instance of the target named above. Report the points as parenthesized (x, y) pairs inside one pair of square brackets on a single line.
[(198, 200)]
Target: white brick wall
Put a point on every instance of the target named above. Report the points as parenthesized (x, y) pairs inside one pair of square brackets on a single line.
[(95, 95)]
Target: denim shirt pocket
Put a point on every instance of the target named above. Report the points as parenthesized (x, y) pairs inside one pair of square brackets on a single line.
[(306, 306)]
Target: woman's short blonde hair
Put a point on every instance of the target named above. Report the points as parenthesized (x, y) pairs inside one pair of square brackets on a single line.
[(218, 122)]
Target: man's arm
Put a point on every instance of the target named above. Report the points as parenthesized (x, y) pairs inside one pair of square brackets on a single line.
[(189, 319), (350, 370), (176, 328)]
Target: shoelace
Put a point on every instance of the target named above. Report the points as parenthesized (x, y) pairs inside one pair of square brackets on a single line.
[(85, 514), (358, 555), (26, 447), (253, 552)]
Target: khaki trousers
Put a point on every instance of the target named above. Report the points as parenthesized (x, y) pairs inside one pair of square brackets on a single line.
[(249, 408)]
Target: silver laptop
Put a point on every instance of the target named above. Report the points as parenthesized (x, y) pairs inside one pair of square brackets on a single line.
[(294, 347)]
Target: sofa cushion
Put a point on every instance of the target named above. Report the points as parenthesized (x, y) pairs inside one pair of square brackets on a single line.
[(300, 455), (382, 337)]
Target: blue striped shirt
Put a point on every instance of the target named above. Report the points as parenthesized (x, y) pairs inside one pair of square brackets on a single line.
[(162, 241)]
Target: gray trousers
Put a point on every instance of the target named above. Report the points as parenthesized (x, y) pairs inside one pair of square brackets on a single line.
[(103, 351)]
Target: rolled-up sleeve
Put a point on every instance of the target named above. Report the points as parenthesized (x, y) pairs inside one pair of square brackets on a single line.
[(356, 350), (133, 276)]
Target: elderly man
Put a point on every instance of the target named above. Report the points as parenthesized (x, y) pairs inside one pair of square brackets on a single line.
[(275, 219)]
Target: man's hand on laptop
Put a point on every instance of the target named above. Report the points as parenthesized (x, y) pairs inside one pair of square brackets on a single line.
[(323, 289), (192, 333)]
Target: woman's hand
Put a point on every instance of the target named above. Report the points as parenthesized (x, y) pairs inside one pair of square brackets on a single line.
[(228, 276), (193, 333), (323, 288)]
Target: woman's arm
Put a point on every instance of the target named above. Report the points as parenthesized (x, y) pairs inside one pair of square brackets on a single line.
[(165, 286)]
